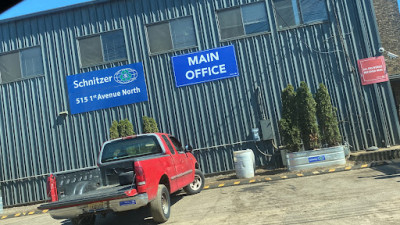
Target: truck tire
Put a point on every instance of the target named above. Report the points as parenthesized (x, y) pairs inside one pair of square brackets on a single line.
[(161, 205), (197, 185), (84, 220)]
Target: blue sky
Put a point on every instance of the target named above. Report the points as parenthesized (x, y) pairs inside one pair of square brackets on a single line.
[(32, 6)]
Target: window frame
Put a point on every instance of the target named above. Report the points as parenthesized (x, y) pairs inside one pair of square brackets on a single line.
[(301, 24), (102, 48), (22, 77), (172, 41), (244, 35)]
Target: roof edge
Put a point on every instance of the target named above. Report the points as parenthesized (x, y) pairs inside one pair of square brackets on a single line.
[(50, 11)]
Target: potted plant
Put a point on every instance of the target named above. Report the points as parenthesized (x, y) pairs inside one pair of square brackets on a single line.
[(327, 120), (288, 125), (307, 112), (325, 132)]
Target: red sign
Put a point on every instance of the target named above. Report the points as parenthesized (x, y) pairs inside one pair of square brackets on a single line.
[(373, 70)]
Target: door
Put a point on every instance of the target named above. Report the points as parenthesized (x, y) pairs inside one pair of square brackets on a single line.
[(172, 172), (184, 167)]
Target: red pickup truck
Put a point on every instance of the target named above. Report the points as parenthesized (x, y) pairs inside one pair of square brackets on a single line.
[(132, 172)]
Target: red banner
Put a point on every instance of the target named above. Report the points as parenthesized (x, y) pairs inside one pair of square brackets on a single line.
[(373, 70)]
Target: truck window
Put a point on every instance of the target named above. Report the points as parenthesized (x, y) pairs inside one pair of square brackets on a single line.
[(177, 144), (168, 144), (129, 148)]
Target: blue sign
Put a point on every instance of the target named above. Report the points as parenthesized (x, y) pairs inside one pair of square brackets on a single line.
[(129, 202), (316, 158), (204, 66), (106, 88)]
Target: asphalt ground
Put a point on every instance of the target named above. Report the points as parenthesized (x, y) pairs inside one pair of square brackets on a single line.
[(224, 180)]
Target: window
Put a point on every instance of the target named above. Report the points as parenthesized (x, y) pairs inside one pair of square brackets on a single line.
[(21, 64), (313, 10), (168, 144), (177, 144), (103, 48), (171, 35), (244, 20), (290, 13), (135, 147)]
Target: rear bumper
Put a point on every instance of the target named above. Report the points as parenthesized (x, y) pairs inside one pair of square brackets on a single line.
[(116, 205)]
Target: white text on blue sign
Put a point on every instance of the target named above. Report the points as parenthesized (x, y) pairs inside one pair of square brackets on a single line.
[(204, 66), (106, 88)]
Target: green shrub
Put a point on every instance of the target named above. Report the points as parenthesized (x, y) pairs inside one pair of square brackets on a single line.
[(114, 133), (308, 120), (288, 125), (327, 120), (122, 128), (125, 128), (149, 125)]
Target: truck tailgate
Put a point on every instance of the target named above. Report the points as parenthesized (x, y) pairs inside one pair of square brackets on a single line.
[(100, 194)]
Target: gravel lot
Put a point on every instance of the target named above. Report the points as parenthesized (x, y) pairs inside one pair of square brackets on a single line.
[(366, 196)]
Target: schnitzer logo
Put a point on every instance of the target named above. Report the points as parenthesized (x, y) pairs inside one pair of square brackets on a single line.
[(125, 76)]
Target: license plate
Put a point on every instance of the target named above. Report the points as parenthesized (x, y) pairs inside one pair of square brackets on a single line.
[(97, 205)]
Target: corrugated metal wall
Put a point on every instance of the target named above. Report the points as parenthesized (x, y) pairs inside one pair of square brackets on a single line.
[(35, 140)]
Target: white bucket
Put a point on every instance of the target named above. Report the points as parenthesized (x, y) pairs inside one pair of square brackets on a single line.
[(244, 163)]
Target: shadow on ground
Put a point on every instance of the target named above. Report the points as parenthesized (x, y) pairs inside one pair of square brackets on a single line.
[(139, 216), (231, 175), (389, 170)]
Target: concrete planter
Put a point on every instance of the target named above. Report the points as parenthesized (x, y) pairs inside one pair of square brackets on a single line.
[(325, 157)]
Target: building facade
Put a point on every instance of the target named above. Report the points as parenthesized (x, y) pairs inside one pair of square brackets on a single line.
[(276, 43), (388, 18)]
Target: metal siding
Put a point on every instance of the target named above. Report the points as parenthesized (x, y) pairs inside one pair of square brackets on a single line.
[(215, 117)]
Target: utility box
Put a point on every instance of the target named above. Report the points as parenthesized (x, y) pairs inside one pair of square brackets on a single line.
[(266, 130)]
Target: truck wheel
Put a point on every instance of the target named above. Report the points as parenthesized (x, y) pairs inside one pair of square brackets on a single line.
[(197, 185), (160, 206), (84, 220)]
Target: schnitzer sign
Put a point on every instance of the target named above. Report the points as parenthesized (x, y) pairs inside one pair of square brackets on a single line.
[(106, 88)]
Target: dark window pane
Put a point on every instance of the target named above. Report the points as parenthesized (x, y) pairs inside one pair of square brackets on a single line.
[(159, 37), (90, 51), (230, 23), (177, 144), (183, 34), (287, 13), (255, 18), (313, 10), (136, 147), (10, 69), (256, 27), (168, 144), (31, 62), (113, 46)]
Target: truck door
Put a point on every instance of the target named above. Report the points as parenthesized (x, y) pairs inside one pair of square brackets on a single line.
[(172, 174), (183, 164)]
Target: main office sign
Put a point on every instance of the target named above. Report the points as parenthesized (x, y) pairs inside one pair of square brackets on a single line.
[(204, 66), (106, 88)]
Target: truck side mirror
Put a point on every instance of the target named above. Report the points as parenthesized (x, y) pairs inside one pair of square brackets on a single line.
[(188, 148)]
